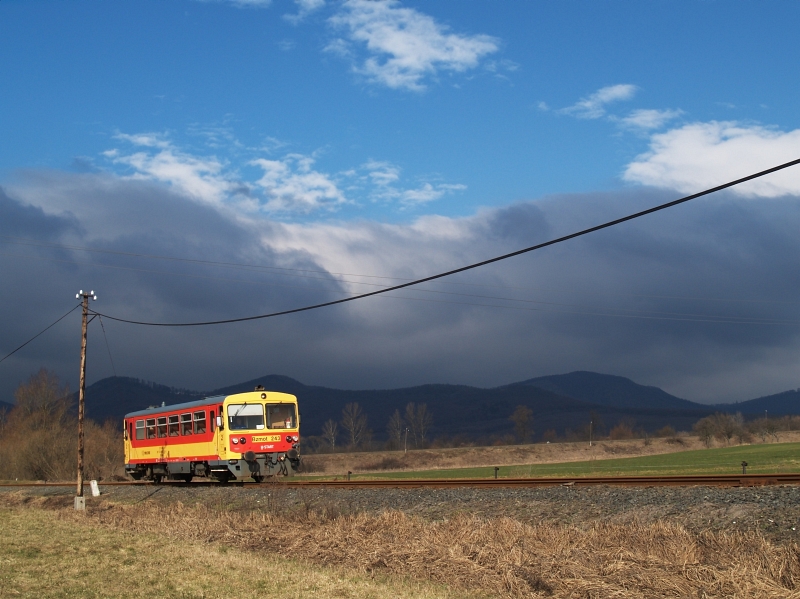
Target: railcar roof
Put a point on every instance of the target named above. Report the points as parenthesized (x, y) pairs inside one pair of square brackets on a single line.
[(212, 400)]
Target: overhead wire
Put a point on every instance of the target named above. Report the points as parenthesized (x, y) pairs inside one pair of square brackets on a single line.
[(470, 266), (584, 309), (102, 326), (651, 313), (40, 332), (331, 276)]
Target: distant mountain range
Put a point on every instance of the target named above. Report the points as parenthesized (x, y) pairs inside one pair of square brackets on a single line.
[(558, 402)]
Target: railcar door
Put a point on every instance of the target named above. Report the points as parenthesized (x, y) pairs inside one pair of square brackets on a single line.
[(219, 432)]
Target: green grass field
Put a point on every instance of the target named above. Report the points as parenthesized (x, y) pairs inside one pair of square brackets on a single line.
[(762, 459)]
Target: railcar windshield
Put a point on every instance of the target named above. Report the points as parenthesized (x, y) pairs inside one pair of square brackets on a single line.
[(244, 416), (281, 416)]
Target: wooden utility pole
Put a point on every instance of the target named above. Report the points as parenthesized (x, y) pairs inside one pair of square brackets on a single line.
[(80, 502)]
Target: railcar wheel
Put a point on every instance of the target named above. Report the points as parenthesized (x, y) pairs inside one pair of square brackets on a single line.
[(157, 478), (258, 478)]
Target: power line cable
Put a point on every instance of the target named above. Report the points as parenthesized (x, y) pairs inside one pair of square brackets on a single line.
[(418, 290), (595, 312), (37, 334), (629, 314), (102, 326), (332, 276), (475, 265)]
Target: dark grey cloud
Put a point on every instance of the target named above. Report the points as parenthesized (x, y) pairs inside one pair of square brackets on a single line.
[(31, 221), (642, 300)]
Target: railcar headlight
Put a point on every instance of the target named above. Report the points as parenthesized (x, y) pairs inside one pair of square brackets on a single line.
[(242, 440), (234, 440)]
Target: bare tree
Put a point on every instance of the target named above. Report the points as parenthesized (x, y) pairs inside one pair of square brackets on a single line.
[(419, 422), (424, 422), (39, 436), (705, 429), (771, 427), (726, 426), (354, 422), (522, 419), (411, 417), (394, 429), (330, 430), (42, 398)]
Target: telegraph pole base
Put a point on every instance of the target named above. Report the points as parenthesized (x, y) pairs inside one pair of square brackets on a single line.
[(80, 504)]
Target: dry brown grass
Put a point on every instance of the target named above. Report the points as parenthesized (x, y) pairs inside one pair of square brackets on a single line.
[(501, 555), (68, 556)]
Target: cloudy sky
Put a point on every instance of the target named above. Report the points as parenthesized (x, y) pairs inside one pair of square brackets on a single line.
[(201, 160)]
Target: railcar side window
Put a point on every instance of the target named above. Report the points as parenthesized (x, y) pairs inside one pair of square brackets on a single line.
[(199, 423), (151, 428), (281, 416), (139, 430), (245, 416), (162, 426), (211, 420), (186, 424), (172, 426)]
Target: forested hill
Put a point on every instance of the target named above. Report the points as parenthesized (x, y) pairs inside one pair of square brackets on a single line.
[(609, 390), (558, 402), (787, 402)]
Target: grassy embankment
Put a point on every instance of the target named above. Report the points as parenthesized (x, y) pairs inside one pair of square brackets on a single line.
[(50, 555), (180, 552), (766, 458)]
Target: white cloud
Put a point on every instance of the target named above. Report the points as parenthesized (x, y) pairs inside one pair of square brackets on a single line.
[(594, 107), (648, 119), (252, 3), (291, 185), (384, 176), (244, 3), (304, 8), (702, 155), (404, 45), (201, 178), (428, 193), (149, 140)]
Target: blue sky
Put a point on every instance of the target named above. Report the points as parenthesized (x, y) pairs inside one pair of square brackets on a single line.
[(454, 127), (396, 139)]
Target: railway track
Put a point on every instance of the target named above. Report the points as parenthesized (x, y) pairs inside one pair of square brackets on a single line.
[(718, 480)]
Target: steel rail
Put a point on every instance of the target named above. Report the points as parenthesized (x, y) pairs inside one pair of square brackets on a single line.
[(725, 480)]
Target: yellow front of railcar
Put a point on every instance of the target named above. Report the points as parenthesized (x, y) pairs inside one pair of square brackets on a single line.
[(260, 434)]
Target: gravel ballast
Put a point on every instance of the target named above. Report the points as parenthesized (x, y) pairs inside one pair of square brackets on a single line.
[(772, 510)]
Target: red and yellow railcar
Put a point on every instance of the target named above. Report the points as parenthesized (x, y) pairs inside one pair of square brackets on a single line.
[(225, 437)]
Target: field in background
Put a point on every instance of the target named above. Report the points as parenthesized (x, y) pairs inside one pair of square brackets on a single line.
[(680, 455), (761, 459)]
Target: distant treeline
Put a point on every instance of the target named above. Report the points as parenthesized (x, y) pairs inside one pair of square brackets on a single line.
[(38, 435), (411, 431)]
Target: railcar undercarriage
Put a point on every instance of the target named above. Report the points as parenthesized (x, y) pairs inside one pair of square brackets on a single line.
[(257, 466)]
